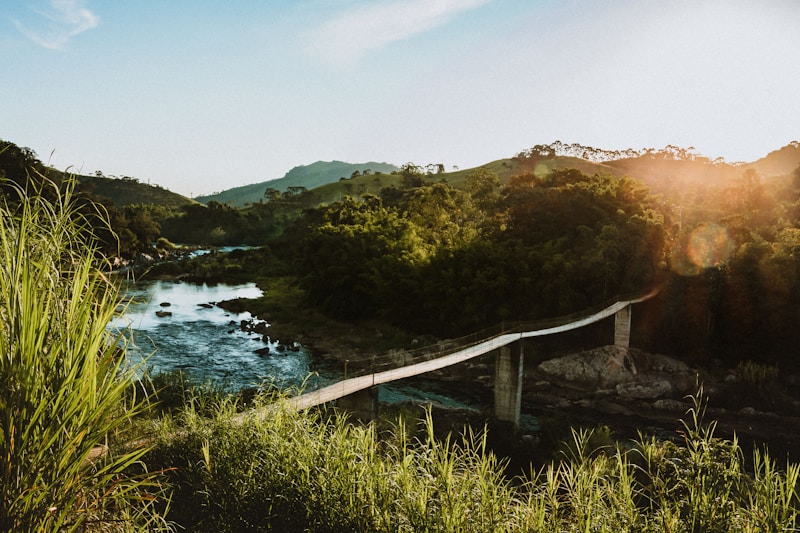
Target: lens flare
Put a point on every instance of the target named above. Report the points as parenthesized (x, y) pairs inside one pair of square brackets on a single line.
[(709, 245)]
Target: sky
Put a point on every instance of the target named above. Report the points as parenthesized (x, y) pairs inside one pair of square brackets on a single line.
[(199, 96)]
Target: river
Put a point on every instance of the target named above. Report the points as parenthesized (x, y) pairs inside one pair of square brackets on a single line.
[(202, 340)]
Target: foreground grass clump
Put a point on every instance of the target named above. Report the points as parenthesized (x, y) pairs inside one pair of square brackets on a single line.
[(699, 485), (62, 380), (313, 471), (291, 471)]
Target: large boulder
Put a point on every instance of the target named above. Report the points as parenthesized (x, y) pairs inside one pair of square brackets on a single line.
[(628, 372)]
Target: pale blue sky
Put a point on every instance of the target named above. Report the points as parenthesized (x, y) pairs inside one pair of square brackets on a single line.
[(200, 95)]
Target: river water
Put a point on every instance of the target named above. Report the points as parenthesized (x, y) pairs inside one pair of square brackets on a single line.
[(204, 341)]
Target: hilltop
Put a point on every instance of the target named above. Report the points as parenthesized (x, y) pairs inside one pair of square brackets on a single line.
[(306, 176), (778, 162), (665, 170), (123, 192)]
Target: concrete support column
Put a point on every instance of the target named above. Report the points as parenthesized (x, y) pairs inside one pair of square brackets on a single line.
[(508, 383), (622, 327), (362, 404)]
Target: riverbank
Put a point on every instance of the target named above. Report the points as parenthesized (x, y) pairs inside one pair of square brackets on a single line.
[(284, 307)]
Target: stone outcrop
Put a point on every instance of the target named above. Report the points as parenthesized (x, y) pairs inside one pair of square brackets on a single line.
[(627, 372)]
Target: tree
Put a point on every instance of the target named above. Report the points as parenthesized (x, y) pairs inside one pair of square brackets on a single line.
[(602, 230), (21, 172), (444, 216), (482, 186), (272, 194), (411, 176), (352, 258)]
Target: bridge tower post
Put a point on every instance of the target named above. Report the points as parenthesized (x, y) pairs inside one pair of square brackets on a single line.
[(622, 327), (508, 383), (362, 404)]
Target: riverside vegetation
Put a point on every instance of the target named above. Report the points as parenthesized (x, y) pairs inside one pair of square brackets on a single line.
[(205, 466), (315, 471)]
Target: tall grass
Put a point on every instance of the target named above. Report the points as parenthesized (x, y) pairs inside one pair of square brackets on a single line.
[(62, 379), (314, 471), (700, 485)]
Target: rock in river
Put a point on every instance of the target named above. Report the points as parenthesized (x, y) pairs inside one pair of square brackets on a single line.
[(630, 373)]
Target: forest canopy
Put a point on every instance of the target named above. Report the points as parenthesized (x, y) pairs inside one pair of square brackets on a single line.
[(435, 259)]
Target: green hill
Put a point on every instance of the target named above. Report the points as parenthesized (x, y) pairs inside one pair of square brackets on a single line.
[(504, 168), (308, 176), (129, 191)]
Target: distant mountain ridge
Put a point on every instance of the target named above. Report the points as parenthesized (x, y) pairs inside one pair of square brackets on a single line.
[(308, 176), (778, 162), (656, 171), (663, 171)]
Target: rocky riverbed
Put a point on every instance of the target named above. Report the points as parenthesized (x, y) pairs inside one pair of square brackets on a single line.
[(631, 391)]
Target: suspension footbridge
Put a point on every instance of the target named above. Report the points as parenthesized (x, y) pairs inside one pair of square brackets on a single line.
[(359, 393)]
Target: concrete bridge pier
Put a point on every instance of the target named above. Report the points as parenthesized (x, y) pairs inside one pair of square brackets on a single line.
[(622, 327), (508, 383), (362, 404)]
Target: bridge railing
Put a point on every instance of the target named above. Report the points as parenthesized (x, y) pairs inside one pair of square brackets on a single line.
[(394, 359)]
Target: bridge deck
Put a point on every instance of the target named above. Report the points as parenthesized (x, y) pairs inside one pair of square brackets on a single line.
[(462, 353)]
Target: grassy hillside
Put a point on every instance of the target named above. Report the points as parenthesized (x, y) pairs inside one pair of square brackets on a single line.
[(330, 181), (308, 176), (504, 168), (356, 186), (129, 191), (671, 176)]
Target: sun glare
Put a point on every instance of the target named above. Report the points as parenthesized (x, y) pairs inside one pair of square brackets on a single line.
[(709, 245)]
